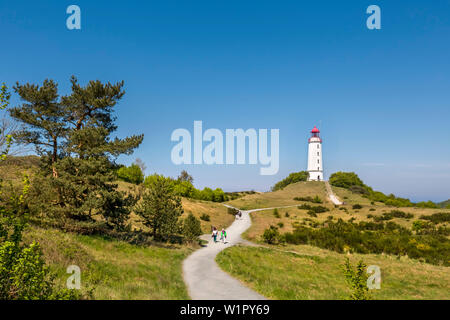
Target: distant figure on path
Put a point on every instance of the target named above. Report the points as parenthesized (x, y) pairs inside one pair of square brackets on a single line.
[(223, 235), (214, 234)]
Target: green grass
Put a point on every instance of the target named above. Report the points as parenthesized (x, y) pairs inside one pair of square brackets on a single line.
[(115, 269), (311, 273)]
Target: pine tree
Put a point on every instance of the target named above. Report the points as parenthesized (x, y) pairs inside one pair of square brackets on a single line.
[(87, 173), (192, 228), (75, 130), (160, 209), (42, 114)]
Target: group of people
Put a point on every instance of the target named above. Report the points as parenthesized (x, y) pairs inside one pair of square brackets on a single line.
[(223, 234), (216, 233)]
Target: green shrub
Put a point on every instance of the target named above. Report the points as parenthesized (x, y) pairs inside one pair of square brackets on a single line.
[(357, 280), (276, 214), (205, 217), (131, 174), (271, 235), (357, 206), (316, 199), (191, 228), (437, 217), (292, 178), (311, 213), (232, 211), (393, 214), (371, 237)]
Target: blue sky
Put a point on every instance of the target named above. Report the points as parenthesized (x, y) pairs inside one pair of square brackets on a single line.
[(380, 97)]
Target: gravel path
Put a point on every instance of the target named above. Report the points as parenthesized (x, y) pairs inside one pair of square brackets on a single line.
[(203, 277)]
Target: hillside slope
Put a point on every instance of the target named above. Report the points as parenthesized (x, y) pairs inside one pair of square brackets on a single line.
[(288, 271)]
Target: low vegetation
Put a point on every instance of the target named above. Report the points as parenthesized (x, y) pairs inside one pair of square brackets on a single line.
[(292, 178), (351, 181), (303, 272)]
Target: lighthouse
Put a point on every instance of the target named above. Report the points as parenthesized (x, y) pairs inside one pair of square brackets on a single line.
[(315, 165)]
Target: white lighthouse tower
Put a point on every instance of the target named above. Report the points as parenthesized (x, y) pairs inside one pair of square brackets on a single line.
[(315, 165)]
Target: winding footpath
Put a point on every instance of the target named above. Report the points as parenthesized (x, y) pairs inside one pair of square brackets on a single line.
[(331, 195), (203, 277)]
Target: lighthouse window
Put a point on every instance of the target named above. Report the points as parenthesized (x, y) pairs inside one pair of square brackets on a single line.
[(318, 161), (318, 153), (318, 147)]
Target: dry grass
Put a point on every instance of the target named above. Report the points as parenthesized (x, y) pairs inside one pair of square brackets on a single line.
[(281, 198), (219, 217)]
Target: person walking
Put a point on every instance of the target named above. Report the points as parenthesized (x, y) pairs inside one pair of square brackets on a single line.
[(223, 235), (214, 234)]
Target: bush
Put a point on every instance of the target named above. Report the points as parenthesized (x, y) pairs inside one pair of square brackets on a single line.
[(276, 214), (370, 237), (311, 213), (23, 273), (437, 217), (205, 217), (271, 235), (345, 180), (191, 228), (357, 280), (292, 178), (316, 199), (393, 214), (357, 207), (131, 174)]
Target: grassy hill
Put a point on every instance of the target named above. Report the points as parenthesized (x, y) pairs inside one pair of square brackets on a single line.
[(288, 271), (280, 198), (444, 204), (115, 269), (306, 272)]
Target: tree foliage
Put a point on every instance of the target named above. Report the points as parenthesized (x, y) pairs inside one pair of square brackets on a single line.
[(192, 228), (73, 134), (160, 209), (292, 178), (352, 182), (23, 273), (131, 174), (184, 188)]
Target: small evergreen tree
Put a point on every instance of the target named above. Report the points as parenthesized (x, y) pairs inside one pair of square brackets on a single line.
[(357, 280), (192, 228), (43, 117), (160, 208)]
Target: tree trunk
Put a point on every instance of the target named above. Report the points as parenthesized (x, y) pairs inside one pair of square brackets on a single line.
[(54, 157)]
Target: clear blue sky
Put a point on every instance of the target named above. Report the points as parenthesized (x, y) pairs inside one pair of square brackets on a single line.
[(381, 98)]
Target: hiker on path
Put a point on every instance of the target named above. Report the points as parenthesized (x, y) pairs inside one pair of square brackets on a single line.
[(214, 234), (223, 235)]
